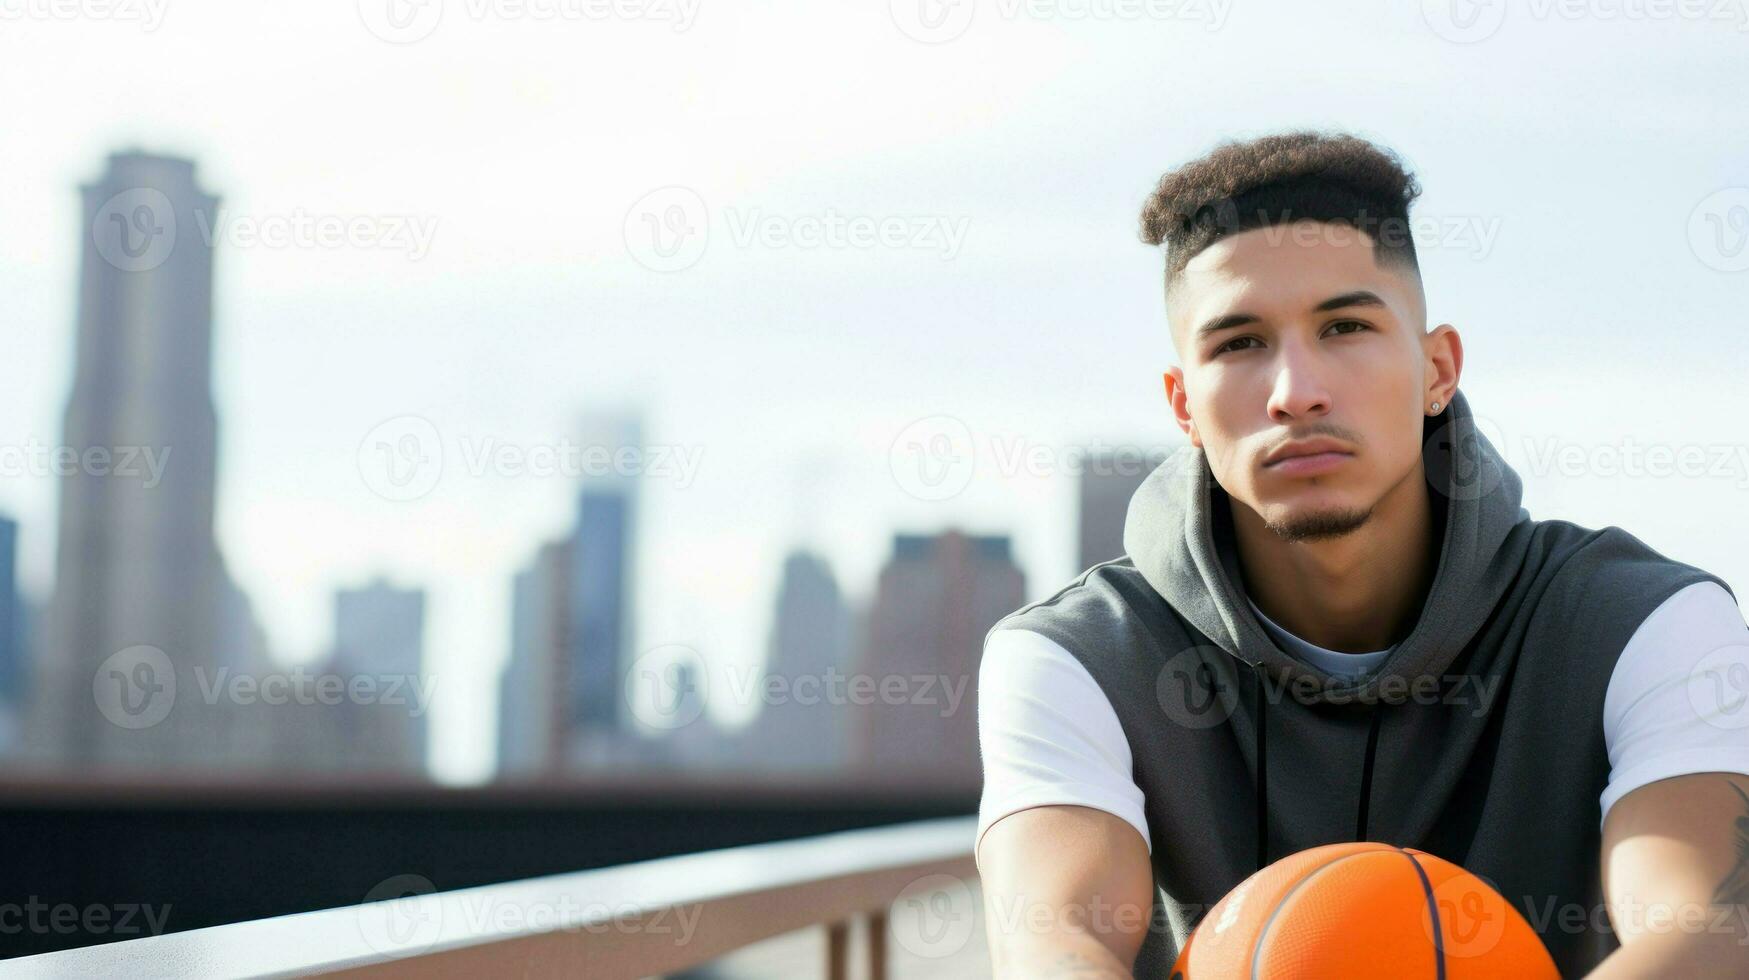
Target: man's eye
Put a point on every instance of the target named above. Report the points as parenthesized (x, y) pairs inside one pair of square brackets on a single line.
[(1351, 323), (1229, 345)]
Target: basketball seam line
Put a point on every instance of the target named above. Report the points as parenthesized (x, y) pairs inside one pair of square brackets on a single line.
[(1433, 913), (1257, 946)]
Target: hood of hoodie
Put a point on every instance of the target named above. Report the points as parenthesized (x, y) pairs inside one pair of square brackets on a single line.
[(1178, 533)]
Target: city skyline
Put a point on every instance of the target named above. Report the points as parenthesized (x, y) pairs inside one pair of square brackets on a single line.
[(1101, 476), (788, 370), (145, 336)]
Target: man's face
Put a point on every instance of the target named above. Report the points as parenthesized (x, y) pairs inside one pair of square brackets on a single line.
[(1294, 332)]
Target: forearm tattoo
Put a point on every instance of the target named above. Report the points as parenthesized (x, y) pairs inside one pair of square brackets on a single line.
[(1734, 890)]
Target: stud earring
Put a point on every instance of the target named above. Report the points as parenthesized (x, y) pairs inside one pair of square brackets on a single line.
[(1436, 408)]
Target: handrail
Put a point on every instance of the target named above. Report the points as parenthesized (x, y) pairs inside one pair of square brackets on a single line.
[(631, 920)]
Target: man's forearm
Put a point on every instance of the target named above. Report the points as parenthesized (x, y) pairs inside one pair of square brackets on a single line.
[(1063, 954), (1676, 955)]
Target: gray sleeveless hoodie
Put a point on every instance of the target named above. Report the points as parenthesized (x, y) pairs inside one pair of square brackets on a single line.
[(1479, 738)]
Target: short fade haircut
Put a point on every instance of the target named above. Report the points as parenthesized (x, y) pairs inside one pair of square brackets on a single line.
[(1297, 176)]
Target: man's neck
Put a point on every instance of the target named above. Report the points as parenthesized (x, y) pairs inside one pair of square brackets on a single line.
[(1355, 593)]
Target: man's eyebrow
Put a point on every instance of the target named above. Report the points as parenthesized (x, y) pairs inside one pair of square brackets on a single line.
[(1358, 297)]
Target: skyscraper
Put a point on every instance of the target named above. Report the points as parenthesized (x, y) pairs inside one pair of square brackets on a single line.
[(938, 595), (379, 633), (138, 573), (562, 702), (379, 629), (801, 727), (12, 651), (601, 576), (532, 698)]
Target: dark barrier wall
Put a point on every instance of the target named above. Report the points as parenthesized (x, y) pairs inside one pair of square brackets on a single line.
[(87, 863)]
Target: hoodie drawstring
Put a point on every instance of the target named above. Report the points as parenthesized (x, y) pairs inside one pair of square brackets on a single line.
[(1260, 731), (1262, 771), (1372, 744)]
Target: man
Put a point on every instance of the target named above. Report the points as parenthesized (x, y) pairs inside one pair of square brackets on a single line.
[(1336, 622)]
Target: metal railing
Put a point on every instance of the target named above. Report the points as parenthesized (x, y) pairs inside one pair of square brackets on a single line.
[(634, 920)]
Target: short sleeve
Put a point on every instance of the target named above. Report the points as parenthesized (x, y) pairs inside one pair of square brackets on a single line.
[(1048, 735), (1678, 698)]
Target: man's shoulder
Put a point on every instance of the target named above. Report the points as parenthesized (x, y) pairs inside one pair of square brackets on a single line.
[(1604, 567), (1109, 607), (1596, 588), (1104, 590)]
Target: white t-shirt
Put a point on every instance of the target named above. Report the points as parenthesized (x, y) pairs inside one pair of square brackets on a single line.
[(1675, 705)]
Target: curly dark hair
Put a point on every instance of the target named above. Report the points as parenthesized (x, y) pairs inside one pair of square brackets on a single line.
[(1269, 180)]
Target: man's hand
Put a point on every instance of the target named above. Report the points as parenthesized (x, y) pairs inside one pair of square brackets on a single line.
[(1068, 891), (1676, 873)]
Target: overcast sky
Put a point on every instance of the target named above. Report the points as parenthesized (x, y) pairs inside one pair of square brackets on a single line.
[(503, 166)]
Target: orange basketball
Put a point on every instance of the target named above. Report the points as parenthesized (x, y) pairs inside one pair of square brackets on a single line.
[(1359, 910)]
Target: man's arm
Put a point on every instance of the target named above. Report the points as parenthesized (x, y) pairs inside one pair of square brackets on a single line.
[(1068, 892), (1676, 873)]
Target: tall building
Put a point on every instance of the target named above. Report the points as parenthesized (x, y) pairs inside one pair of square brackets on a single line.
[(12, 636), (379, 629), (532, 699), (602, 576), (15, 646), (379, 632), (138, 573), (799, 727), (562, 698), (937, 597), (1108, 481)]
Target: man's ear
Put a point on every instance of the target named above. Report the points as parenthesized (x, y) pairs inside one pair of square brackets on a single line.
[(1179, 400), (1443, 351)]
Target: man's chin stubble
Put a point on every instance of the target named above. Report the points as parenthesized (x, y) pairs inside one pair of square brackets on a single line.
[(1319, 525)]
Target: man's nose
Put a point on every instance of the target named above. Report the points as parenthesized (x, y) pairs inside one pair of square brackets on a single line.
[(1300, 390)]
